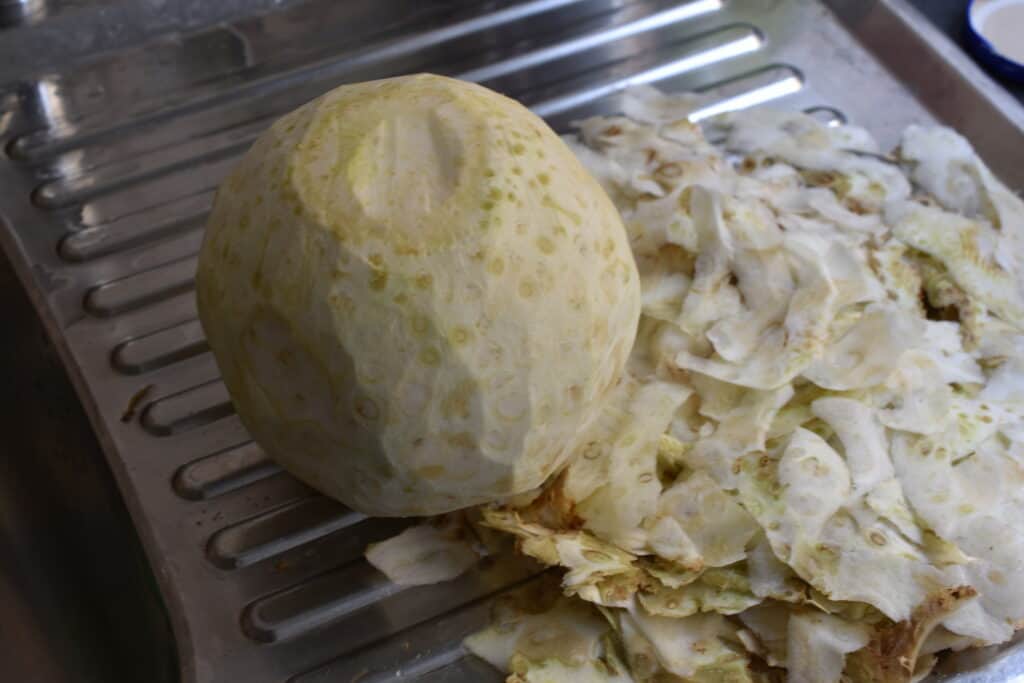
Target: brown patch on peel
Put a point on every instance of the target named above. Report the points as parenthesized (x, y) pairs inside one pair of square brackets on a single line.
[(892, 654), (553, 508)]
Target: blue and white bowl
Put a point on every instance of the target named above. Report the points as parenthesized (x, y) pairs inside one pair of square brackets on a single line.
[(995, 35)]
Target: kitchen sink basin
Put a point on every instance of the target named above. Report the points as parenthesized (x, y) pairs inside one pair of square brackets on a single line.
[(78, 601)]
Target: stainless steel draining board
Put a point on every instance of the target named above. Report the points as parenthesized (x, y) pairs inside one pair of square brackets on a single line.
[(109, 171)]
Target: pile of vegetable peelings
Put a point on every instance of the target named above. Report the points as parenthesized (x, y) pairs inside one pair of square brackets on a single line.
[(814, 467)]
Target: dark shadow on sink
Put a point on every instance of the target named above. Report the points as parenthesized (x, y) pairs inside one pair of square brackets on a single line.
[(78, 601)]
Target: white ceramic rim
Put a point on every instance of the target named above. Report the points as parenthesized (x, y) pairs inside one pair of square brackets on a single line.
[(978, 12)]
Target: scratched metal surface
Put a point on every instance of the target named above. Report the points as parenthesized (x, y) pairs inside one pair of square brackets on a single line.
[(109, 168)]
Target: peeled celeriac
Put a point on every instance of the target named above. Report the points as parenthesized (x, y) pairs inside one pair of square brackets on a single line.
[(417, 296)]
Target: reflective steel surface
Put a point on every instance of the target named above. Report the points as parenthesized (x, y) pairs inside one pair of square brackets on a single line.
[(113, 149)]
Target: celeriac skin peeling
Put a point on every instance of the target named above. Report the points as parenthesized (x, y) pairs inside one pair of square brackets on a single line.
[(813, 469)]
